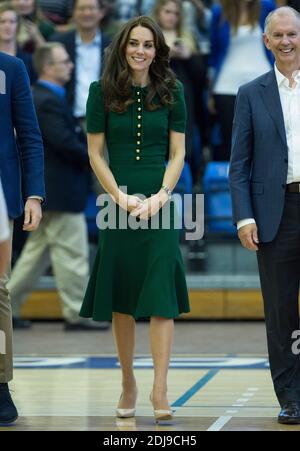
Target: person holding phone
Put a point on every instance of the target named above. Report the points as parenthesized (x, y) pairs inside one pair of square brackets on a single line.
[(187, 63)]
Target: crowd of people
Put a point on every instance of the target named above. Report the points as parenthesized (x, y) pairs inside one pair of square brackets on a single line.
[(211, 46)]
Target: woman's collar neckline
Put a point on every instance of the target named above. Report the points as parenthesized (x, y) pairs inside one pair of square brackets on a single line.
[(139, 86)]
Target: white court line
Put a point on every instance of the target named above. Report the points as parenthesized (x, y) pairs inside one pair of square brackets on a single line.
[(222, 421), (219, 424)]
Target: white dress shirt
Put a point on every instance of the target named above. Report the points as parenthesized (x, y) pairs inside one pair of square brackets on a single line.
[(290, 102), (87, 70), (4, 227)]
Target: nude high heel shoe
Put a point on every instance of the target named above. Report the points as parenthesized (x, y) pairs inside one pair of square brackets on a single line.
[(162, 415), (125, 413)]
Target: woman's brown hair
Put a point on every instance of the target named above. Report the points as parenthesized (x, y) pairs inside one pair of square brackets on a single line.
[(159, 4), (232, 11), (37, 16), (117, 78)]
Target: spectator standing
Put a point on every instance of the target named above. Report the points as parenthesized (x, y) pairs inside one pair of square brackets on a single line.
[(58, 12), (85, 45), (236, 36), (128, 9), (34, 29), (63, 233), (9, 22), (197, 18), (186, 62), (293, 3)]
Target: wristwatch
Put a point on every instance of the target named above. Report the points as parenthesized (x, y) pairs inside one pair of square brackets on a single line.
[(167, 190)]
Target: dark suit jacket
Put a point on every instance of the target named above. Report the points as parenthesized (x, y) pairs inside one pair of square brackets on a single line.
[(66, 157), (68, 39), (22, 165), (27, 60), (259, 159)]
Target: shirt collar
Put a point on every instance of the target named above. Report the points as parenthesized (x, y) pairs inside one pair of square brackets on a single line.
[(282, 80), (58, 90), (96, 40)]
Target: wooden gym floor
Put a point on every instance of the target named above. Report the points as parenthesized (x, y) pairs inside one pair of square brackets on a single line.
[(57, 389)]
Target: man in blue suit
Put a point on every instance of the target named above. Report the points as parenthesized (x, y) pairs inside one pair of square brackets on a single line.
[(22, 175), (265, 188)]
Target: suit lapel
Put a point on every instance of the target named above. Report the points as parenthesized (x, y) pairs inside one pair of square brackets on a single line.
[(271, 99), (72, 46)]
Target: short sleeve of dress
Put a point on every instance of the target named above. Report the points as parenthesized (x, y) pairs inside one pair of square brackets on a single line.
[(95, 111), (178, 114)]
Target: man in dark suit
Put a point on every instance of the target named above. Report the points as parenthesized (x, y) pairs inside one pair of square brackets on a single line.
[(62, 238), (85, 45), (22, 175), (265, 187)]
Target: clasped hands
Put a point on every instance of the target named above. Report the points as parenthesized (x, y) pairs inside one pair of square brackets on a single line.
[(143, 209)]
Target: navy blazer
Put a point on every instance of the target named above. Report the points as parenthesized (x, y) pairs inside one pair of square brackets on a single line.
[(259, 158), (220, 35), (68, 39), (66, 157), (27, 60), (21, 162)]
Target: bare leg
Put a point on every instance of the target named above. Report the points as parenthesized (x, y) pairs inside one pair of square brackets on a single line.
[(123, 327), (161, 338)]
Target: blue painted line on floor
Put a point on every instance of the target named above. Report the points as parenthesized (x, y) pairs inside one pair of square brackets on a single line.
[(196, 388), (140, 363)]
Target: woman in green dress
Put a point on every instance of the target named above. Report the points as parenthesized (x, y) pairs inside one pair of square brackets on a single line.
[(138, 110)]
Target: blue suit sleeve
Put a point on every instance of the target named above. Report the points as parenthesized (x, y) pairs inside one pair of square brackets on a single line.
[(241, 159)]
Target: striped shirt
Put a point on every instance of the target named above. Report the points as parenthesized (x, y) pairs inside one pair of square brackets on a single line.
[(58, 11), (127, 9)]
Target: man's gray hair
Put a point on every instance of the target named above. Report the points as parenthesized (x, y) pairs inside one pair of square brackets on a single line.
[(283, 11)]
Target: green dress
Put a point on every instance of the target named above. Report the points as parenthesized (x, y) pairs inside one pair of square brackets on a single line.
[(137, 272)]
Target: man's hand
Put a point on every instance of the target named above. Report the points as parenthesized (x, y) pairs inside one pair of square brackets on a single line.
[(248, 237), (33, 215)]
